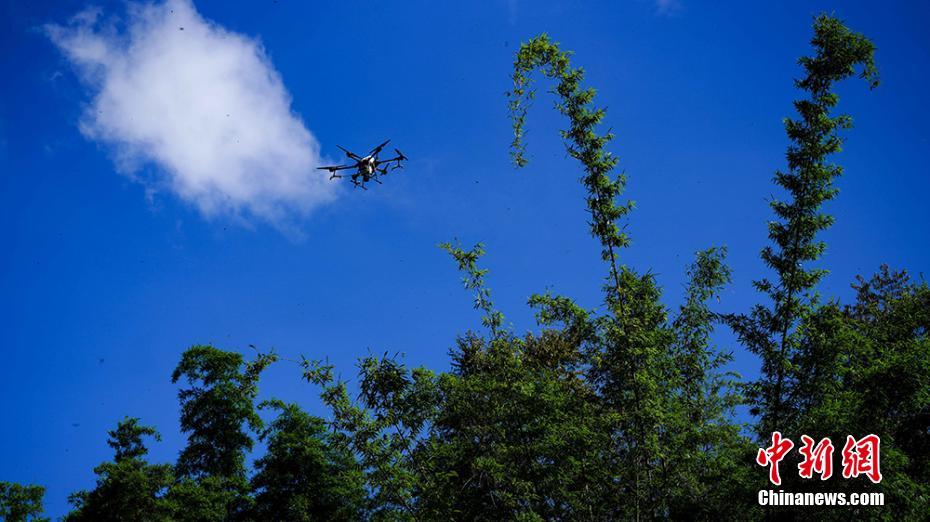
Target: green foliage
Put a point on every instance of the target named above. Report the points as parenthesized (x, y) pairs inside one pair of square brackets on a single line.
[(630, 353), (771, 332), (863, 368), (303, 476), (710, 475), (216, 409), (126, 439), (518, 434), (383, 428), (582, 141), (474, 280), (208, 499), (128, 488), (622, 411), (20, 503)]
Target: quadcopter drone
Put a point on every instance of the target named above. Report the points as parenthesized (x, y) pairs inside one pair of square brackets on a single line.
[(367, 168)]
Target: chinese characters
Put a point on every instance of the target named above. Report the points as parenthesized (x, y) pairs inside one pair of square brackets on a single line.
[(860, 457)]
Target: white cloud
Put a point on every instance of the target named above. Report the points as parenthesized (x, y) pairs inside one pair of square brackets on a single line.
[(203, 104), (665, 7)]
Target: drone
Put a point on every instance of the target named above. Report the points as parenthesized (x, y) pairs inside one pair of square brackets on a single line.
[(367, 168)]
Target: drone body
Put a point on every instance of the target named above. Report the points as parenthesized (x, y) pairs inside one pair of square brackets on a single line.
[(367, 168)]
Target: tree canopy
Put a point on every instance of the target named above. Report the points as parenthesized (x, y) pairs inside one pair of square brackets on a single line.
[(621, 409)]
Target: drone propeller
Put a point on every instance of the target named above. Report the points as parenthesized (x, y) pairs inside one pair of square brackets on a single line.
[(349, 153), (379, 147), (333, 169), (400, 157)]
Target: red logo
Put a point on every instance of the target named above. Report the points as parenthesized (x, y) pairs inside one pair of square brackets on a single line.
[(774, 454), (860, 457), (816, 459)]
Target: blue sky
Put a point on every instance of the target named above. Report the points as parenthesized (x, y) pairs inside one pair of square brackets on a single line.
[(114, 259)]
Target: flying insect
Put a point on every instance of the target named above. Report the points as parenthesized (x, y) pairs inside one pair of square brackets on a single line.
[(367, 168)]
